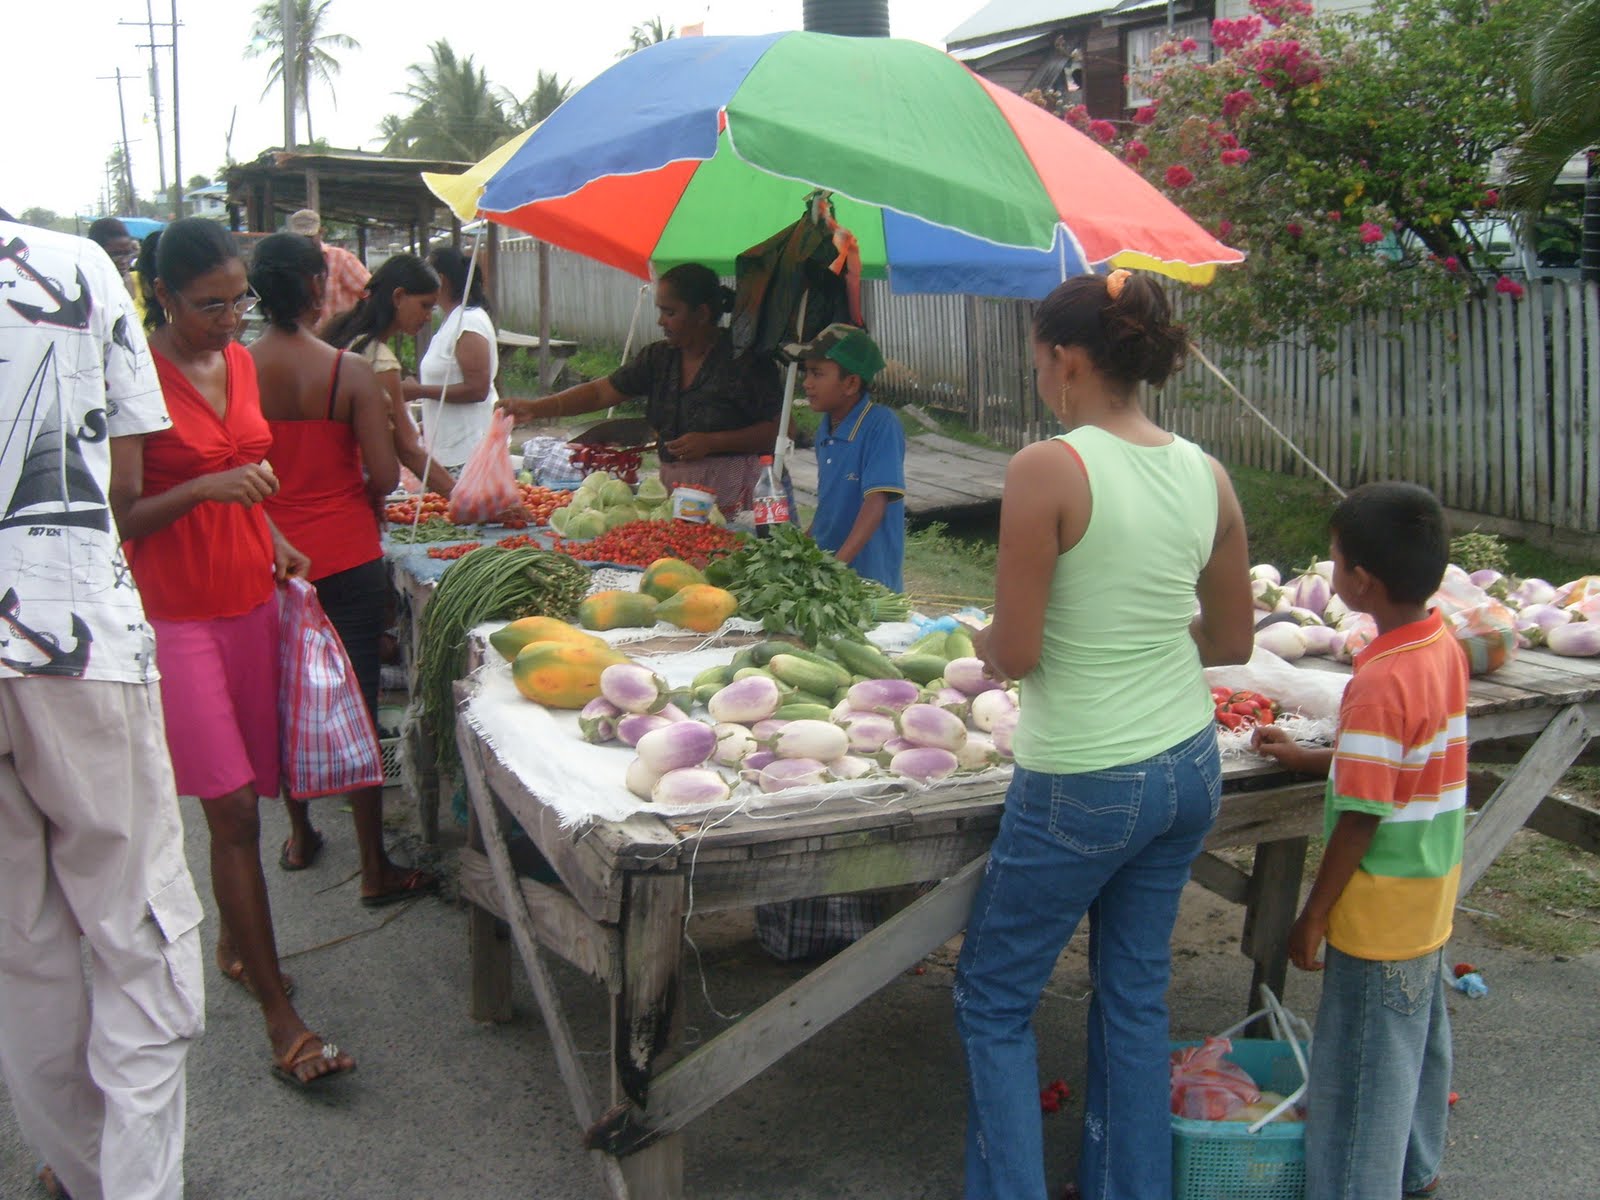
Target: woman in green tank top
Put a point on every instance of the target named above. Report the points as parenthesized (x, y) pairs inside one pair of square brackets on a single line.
[(1108, 536)]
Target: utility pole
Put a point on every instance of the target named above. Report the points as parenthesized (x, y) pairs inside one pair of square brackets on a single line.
[(288, 18), (155, 95), (127, 160), (175, 196), (177, 148)]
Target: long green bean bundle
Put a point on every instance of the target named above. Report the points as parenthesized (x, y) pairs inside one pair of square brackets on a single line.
[(489, 584)]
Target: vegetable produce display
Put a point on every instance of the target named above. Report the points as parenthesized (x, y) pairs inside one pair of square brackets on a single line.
[(602, 503), (1241, 710), (640, 543), (488, 584), (789, 583), (537, 504)]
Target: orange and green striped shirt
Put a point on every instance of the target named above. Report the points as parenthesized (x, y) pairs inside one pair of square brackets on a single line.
[(1402, 755)]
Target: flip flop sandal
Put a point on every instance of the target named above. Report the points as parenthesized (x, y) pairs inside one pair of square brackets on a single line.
[(298, 1056), (313, 852), (235, 971), (418, 883)]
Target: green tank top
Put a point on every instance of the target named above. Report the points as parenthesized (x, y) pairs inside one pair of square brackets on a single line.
[(1119, 678)]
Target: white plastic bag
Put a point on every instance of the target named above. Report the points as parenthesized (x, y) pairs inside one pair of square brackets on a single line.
[(1306, 690)]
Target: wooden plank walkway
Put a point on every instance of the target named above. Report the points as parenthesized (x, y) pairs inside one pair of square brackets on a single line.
[(944, 477)]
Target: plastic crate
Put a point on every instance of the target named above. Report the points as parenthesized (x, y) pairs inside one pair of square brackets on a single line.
[(1223, 1160), (390, 719)]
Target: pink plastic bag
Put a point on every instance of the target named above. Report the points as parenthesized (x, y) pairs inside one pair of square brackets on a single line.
[(1206, 1086), (487, 486), (329, 745)]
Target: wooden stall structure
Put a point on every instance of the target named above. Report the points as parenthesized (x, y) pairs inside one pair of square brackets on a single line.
[(618, 911)]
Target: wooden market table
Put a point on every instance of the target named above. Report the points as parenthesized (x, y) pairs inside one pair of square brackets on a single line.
[(618, 911)]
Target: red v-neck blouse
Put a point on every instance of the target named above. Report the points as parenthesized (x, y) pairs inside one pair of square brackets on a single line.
[(216, 559)]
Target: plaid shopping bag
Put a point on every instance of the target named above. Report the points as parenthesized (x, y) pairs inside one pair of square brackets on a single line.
[(328, 743)]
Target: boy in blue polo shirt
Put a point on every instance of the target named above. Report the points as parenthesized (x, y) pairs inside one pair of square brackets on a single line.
[(861, 454)]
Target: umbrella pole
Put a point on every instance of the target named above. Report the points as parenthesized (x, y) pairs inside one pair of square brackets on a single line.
[(780, 446), (627, 342), (427, 461)]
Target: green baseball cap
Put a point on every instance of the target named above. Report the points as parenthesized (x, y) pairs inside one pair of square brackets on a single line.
[(848, 345)]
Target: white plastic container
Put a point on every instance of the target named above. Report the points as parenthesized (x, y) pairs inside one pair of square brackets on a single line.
[(692, 504)]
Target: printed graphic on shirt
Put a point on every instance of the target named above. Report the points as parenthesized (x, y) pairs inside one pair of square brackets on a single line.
[(74, 372)]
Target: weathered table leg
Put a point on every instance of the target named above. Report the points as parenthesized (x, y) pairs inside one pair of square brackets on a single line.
[(489, 948), (646, 1029), (1272, 899)]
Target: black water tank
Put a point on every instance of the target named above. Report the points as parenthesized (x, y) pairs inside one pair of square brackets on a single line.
[(852, 18)]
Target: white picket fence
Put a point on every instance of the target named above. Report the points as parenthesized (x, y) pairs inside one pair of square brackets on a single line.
[(1494, 405)]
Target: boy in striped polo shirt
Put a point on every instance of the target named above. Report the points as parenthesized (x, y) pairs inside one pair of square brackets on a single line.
[(1386, 891)]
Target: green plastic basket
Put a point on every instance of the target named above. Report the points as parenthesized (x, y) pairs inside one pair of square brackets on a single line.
[(1223, 1160)]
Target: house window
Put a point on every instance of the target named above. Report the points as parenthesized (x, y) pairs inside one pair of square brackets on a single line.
[(1142, 45)]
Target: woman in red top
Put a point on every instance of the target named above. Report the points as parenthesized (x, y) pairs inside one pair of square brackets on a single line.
[(205, 556), (335, 457)]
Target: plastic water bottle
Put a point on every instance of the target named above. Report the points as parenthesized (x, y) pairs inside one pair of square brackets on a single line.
[(771, 504)]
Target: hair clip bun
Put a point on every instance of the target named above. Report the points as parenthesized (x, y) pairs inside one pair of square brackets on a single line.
[(1116, 281)]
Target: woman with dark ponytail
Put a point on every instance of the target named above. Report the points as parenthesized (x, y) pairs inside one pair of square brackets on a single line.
[(336, 462), (399, 300), (204, 554), (1105, 812), (715, 414)]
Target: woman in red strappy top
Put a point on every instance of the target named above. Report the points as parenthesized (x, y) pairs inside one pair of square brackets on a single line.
[(334, 453)]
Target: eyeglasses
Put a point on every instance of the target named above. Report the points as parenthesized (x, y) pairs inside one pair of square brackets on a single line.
[(216, 308)]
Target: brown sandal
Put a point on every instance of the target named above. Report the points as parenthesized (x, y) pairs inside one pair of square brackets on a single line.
[(298, 1056)]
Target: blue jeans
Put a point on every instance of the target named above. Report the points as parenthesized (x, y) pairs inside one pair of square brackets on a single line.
[(1379, 1091), (1116, 844)]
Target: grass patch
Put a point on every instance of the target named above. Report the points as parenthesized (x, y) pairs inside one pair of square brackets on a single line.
[(947, 570), (1545, 894), (1286, 516)]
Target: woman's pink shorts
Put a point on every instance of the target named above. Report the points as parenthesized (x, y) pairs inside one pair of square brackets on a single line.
[(219, 686)]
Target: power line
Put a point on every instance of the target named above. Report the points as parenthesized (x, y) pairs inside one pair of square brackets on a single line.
[(150, 24)]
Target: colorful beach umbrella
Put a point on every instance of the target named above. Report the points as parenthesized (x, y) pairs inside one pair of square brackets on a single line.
[(697, 148)]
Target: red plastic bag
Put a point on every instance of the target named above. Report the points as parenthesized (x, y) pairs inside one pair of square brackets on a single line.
[(328, 744), (1206, 1086), (488, 486)]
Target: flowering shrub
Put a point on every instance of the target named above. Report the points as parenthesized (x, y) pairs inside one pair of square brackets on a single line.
[(1309, 140)]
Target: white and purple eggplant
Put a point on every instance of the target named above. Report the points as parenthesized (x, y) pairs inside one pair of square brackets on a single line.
[(896, 744), (690, 787), (970, 676), (821, 740), (950, 699), (929, 725), (990, 707), (633, 689), (640, 779), (766, 731), (1537, 620), (1285, 639), (1311, 592), (1321, 641), (924, 764), (634, 726), (883, 695), (1269, 597), (867, 732), (1004, 731), (1336, 612), (734, 743), (597, 720), (1576, 639), (1530, 592), (849, 766), (1265, 573), (680, 744), (754, 763), (746, 701), (978, 754), (784, 773)]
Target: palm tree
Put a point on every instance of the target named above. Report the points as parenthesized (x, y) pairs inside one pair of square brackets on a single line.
[(647, 34), (312, 53), (1563, 82), (456, 112), (549, 93)]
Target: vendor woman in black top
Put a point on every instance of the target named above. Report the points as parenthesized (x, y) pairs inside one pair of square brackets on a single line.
[(715, 414)]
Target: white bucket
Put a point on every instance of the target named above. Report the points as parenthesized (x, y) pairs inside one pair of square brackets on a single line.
[(692, 504)]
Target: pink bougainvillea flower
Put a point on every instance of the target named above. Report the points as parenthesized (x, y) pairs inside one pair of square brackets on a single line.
[(1235, 103), (1103, 132), (1147, 114), (1507, 286), (1294, 229), (1227, 141), (1285, 64), (1179, 176), (1371, 233), (1135, 152), (1188, 46), (1452, 263), (1491, 198), (1077, 115), (1278, 11), (1229, 36), (1335, 215), (1235, 158)]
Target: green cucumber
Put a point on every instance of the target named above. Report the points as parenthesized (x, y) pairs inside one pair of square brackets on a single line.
[(803, 712), (922, 668), (931, 642), (820, 679), (703, 693), (741, 660), (958, 644), (800, 696), (863, 659), (764, 652), (717, 675), (784, 689)]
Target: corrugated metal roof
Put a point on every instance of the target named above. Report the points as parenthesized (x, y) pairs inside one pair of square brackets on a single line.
[(1001, 17), (980, 49)]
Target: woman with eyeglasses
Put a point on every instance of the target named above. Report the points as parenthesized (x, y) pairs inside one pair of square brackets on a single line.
[(399, 300), (206, 558), (335, 455)]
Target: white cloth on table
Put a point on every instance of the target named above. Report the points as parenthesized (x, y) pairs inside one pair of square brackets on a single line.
[(91, 849)]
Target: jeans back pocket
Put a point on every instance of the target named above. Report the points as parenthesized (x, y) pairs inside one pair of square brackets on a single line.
[(1095, 812), (1408, 984)]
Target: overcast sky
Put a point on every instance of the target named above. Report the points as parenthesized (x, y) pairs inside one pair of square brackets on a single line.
[(62, 122)]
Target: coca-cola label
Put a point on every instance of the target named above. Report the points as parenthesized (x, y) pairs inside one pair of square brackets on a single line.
[(772, 510)]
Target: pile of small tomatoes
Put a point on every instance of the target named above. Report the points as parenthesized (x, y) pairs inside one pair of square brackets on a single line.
[(1241, 710), (536, 505), (640, 543)]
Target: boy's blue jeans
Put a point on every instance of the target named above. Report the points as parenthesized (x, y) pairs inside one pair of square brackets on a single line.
[(1379, 1092), (1118, 845)]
